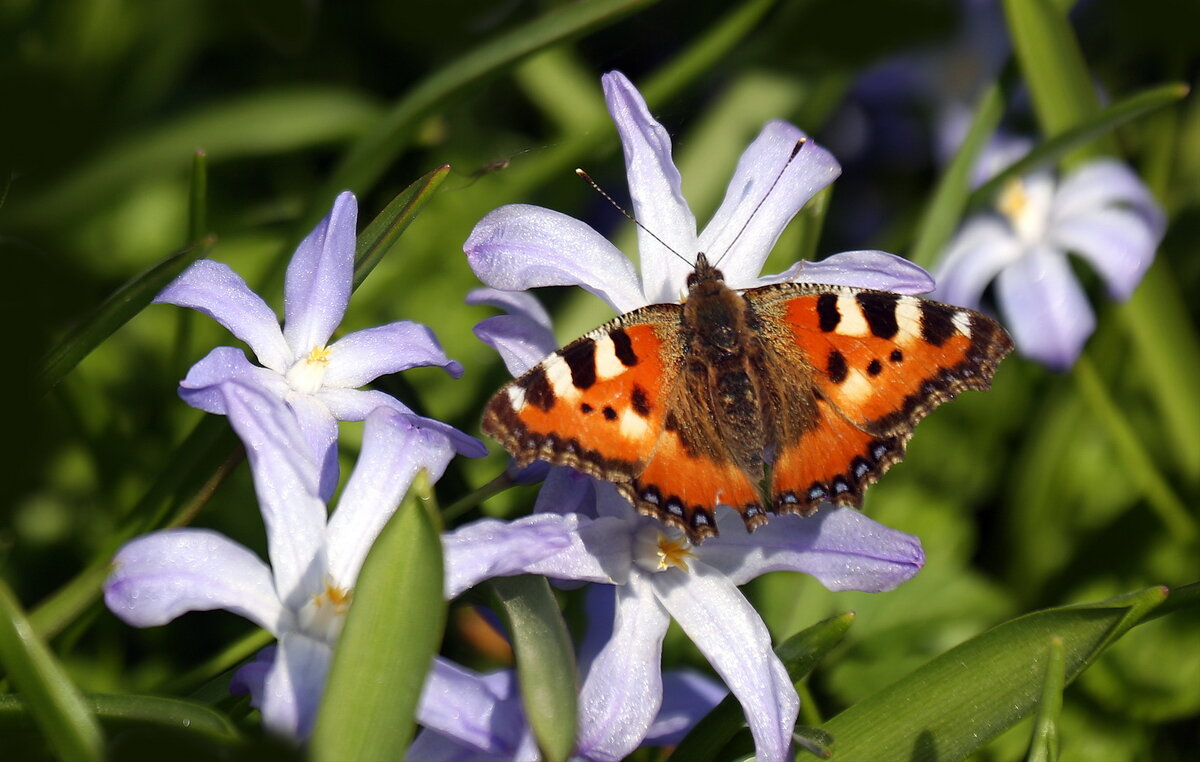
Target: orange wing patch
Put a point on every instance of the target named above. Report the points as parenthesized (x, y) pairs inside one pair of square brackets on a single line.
[(595, 405)]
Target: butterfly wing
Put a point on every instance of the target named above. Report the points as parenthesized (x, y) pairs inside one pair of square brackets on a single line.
[(874, 364)]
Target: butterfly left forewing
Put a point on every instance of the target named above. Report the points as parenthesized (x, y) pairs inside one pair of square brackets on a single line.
[(597, 403), (876, 363)]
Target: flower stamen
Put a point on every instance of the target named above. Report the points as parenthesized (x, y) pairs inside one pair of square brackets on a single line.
[(308, 373), (657, 551)]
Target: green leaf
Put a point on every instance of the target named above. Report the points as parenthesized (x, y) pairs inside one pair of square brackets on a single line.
[(391, 634), (58, 708), (369, 157), (1051, 150), (383, 232), (1044, 745), (963, 698), (1054, 68), (545, 660), (949, 198), (118, 309), (799, 654), (258, 124)]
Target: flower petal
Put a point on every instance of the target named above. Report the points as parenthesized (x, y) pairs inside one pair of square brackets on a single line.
[(217, 291), (319, 277), (984, 247), (516, 303), (601, 550), (202, 387), (481, 711), (285, 478), (1044, 308), (251, 678), (656, 192), (159, 576), (756, 208), (393, 451), (687, 697), (294, 684), (492, 548), (521, 342), (566, 490), (1119, 243), (517, 247), (841, 547), (320, 429), (866, 268), (623, 689), (1104, 184), (360, 357), (730, 633), (357, 404)]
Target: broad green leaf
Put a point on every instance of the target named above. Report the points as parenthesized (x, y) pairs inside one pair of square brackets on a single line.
[(1053, 67), (1044, 745), (369, 157), (545, 660), (799, 653), (963, 698), (1052, 149), (949, 198), (383, 232), (391, 634), (58, 708), (114, 312)]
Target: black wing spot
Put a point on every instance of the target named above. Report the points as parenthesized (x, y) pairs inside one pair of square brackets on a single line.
[(640, 400), (623, 347), (896, 356), (880, 311), (538, 391), (835, 366), (609, 413), (874, 368), (581, 359), (827, 312), (937, 323)]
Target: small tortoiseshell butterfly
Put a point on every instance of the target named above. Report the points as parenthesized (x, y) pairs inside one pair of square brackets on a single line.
[(771, 399)]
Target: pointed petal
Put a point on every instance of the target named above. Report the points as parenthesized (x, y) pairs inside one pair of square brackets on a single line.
[(841, 547), (1119, 243), (159, 576), (1105, 184), (600, 605), (357, 404), (687, 697), (317, 285), (517, 303), (285, 478), (492, 548), (294, 685), (217, 291), (754, 214), (732, 636), (1044, 308), (251, 678), (866, 268), (517, 247), (202, 387), (521, 342), (654, 186), (320, 429), (393, 451), (623, 690), (984, 247), (601, 550), (361, 357), (481, 711)]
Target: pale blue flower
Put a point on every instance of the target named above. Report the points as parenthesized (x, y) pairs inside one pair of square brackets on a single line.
[(317, 379), (658, 576), (302, 596), (1100, 211), (518, 247)]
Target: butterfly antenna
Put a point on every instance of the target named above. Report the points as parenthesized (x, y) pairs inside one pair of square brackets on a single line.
[(795, 150), (630, 217)]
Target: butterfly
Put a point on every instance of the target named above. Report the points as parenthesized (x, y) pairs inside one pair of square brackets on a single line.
[(768, 400)]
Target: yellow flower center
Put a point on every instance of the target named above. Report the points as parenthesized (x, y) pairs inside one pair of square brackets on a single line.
[(307, 375), (657, 551), (1026, 206), (325, 613)]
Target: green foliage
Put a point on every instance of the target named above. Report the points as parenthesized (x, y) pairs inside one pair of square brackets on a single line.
[(185, 129)]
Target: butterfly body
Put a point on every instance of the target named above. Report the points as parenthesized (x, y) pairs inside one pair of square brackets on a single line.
[(768, 400)]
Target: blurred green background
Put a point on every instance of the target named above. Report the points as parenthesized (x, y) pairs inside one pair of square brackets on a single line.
[(1048, 490)]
